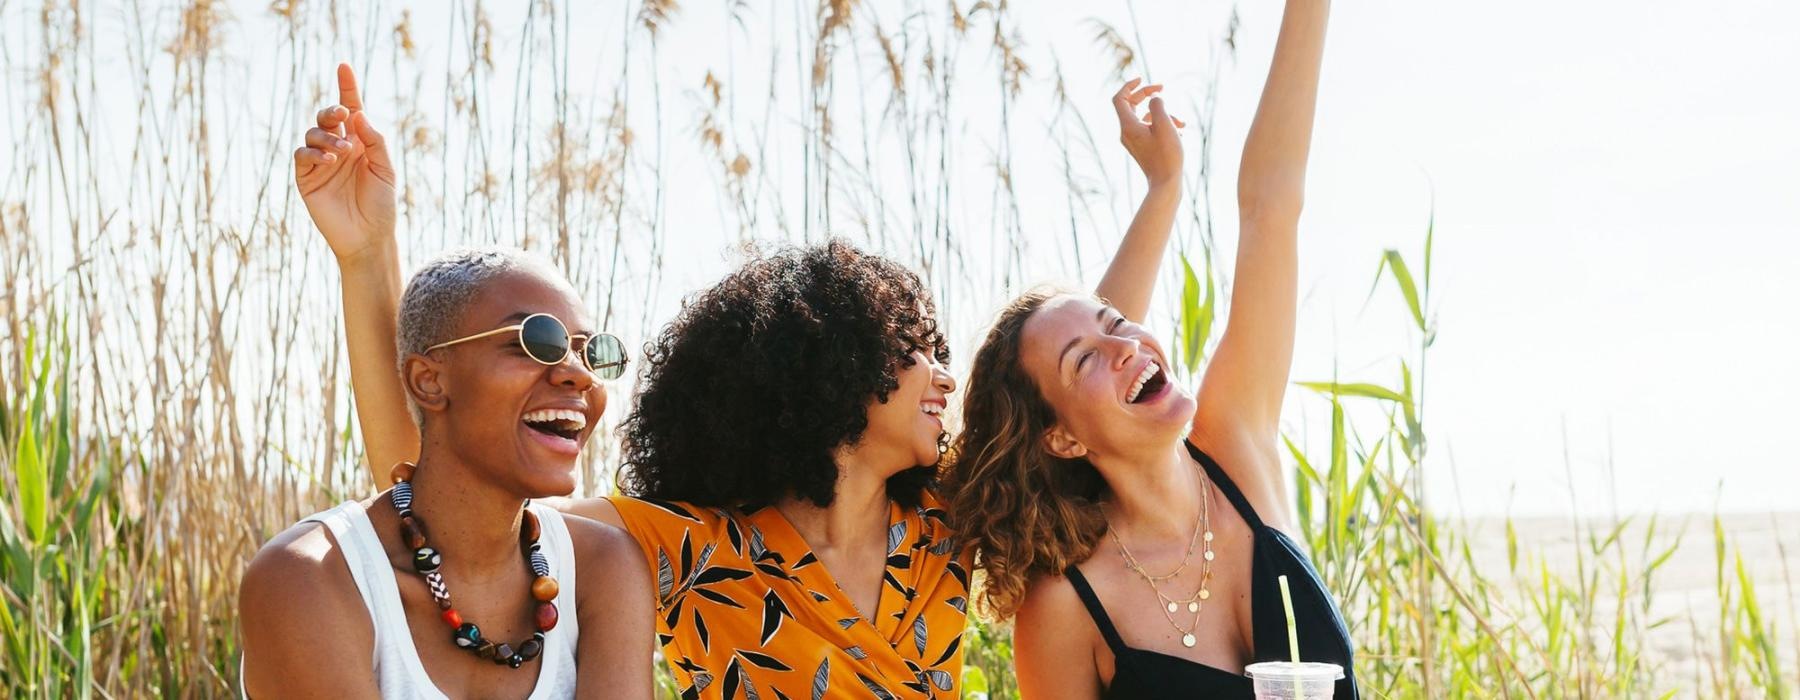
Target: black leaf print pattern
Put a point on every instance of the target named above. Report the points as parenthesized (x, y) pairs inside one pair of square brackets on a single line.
[(949, 650), (856, 652), (822, 679), (962, 575), (848, 622), (674, 614), (676, 510), (732, 677), (888, 576), (662, 640), (762, 660), (773, 611), (919, 634), (687, 555), (778, 694), (719, 598), (700, 629), (960, 603), (734, 534), (939, 679), (899, 561), (806, 561), (880, 692), (821, 597), (943, 546), (720, 573)]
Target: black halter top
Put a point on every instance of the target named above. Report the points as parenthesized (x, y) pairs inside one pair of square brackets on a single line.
[(1142, 674)]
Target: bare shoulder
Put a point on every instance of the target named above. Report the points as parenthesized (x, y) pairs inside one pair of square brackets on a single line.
[(604, 553), (598, 508), (297, 590), (300, 574), (1054, 643)]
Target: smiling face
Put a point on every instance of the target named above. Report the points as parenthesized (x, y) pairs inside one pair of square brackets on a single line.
[(515, 420), (1105, 377), (910, 423)]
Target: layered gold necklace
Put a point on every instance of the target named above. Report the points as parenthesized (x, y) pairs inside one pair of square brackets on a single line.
[(1196, 601)]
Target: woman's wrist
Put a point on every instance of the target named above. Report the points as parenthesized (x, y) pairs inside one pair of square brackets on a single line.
[(378, 257)]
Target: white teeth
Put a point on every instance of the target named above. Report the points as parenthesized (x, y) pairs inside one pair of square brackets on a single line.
[(931, 409), (1150, 370), (551, 415)]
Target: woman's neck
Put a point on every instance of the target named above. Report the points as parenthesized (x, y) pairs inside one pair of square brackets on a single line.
[(858, 513), (1155, 494), (473, 523)]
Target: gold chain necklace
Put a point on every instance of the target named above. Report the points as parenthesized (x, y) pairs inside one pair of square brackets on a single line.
[(1194, 602)]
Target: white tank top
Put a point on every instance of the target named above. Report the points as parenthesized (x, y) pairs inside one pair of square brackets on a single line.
[(397, 668)]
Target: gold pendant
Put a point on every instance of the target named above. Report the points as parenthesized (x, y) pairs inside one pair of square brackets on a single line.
[(1193, 607), (1187, 640), (1204, 594), (1171, 607)]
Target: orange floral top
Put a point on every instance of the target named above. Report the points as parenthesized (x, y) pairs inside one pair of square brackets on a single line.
[(744, 609)]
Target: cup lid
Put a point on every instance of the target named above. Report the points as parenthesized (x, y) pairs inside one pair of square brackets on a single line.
[(1288, 670)]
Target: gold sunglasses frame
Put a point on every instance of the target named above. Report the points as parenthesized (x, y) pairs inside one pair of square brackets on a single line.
[(624, 355)]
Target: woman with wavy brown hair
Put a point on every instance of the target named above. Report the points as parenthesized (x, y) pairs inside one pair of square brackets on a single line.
[(1136, 531)]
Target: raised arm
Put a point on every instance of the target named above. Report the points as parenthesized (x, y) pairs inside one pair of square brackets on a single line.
[(1153, 142), (1241, 393), (347, 181)]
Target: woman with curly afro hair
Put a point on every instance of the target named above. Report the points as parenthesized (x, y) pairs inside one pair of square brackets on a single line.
[(780, 456)]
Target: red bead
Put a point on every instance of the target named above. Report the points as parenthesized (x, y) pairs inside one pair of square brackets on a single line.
[(452, 617), (546, 617)]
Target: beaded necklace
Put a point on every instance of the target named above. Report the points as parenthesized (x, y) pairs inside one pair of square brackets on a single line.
[(428, 562)]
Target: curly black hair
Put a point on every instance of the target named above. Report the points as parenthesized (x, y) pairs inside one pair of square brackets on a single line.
[(746, 393)]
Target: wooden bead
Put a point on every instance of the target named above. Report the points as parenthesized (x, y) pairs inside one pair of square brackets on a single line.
[(452, 617), (502, 653), (528, 527), (530, 648), (402, 471), (412, 532), (486, 651), (544, 589), (546, 617)]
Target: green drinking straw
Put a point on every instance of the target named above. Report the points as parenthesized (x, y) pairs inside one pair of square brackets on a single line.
[(1287, 604)]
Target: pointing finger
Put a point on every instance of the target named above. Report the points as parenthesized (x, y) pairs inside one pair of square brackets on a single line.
[(348, 95)]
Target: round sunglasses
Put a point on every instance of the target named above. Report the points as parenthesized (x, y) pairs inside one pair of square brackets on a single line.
[(545, 339)]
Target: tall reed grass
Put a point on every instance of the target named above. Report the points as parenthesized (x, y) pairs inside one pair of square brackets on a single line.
[(173, 391)]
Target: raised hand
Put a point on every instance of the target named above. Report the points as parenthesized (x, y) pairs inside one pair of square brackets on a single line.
[(344, 175), (1151, 140)]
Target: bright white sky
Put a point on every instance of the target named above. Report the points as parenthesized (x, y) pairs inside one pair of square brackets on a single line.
[(1617, 196)]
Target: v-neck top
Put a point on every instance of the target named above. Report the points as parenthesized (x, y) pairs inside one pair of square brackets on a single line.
[(744, 606), (1142, 674)]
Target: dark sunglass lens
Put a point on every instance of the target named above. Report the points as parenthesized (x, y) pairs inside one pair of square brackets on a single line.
[(544, 339), (606, 356)]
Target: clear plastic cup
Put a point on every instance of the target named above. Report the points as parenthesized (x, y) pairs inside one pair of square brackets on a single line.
[(1285, 680)]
